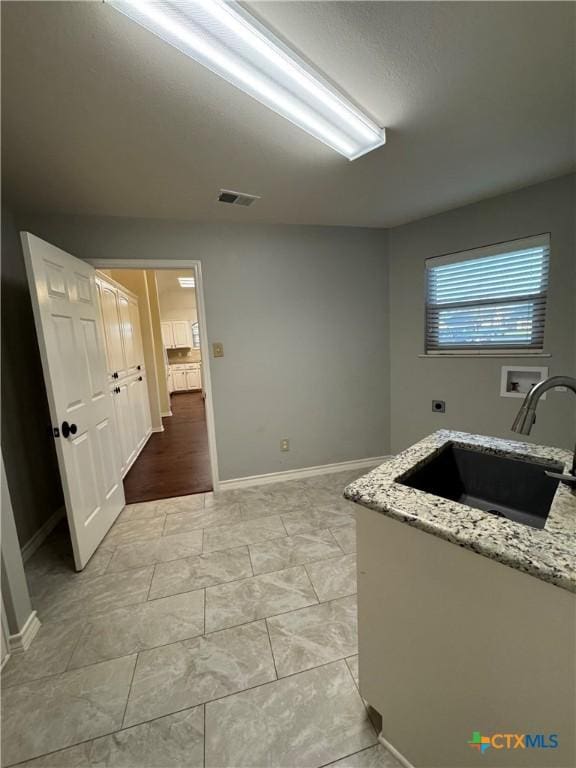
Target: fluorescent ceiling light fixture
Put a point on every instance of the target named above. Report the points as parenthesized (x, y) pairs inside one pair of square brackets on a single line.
[(229, 41), (187, 282)]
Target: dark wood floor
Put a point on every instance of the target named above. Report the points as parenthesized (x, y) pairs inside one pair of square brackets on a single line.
[(174, 462)]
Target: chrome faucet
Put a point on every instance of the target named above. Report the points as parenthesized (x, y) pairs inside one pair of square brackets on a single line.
[(526, 417)]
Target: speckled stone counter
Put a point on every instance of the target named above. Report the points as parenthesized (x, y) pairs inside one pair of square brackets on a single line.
[(548, 554)]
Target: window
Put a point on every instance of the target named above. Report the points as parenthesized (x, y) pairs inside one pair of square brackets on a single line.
[(487, 299), (195, 336)]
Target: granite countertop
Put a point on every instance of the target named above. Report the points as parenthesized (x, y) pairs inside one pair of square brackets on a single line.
[(548, 554)]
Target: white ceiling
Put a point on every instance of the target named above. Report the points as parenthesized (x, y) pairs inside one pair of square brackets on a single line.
[(167, 280), (101, 117)]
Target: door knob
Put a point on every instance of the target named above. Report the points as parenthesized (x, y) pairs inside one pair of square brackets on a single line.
[(68, 429)]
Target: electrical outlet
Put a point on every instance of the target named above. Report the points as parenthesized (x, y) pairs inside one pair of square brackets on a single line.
[(218, 349), (439, 406), (285, 444)]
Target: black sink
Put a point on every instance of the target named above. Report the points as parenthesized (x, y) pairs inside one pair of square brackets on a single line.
[(508, 487)]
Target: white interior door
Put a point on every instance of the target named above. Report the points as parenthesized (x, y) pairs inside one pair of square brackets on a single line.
[(69, 329)]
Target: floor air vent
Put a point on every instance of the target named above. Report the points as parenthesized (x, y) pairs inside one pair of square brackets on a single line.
[(236, 198)]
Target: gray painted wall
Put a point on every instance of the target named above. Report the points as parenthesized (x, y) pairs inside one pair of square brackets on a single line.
[(27, 445), (312, 353), (471, 387), (15, 597), (302, 314)]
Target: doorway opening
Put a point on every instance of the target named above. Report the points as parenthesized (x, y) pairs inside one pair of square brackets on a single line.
[(107, 369), (171, 456)]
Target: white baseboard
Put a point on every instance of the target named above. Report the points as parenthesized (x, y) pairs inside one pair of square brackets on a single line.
[(300, 474), (157, 429), (21, 642), (42, 534), (393, 751), (129, 466), (166, 413)]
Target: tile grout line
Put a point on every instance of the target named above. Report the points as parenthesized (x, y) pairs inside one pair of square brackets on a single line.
[(99, 613), (336, 540), (150, 585), (340, 660), (204, 737), (204, 614), (175, 559), (250, 559), (87, 615), (130, 691), (193, 637), (193, 706), (357, 686), (76, 644), (351, 754), (271, 649), (312, 585)]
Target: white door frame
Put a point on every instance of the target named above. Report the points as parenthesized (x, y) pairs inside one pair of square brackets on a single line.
[(179, 264)]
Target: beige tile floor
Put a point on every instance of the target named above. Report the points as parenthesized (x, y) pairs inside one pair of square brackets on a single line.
[(209, 630)]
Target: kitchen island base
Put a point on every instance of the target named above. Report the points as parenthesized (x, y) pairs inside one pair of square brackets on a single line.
[(452, 643)]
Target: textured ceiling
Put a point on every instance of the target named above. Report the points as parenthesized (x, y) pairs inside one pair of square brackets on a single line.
[(101, 117)]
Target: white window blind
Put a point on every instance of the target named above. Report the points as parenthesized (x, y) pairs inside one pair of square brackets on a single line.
[(488, 298), (195, 336)]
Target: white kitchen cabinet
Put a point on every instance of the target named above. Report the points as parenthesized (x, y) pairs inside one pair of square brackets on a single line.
[(127, 374), (179, 381), (167, 335), (141, 410), (125, 419), (108, 296), (193, 379), (130, 325), (182, 333), (177, 334), (137, 345), (186, 376)]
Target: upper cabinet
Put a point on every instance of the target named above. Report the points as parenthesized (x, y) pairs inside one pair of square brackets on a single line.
[(112, 326), (167, 335), (177, 333), (182, 333), (126, 369), (122, 334)]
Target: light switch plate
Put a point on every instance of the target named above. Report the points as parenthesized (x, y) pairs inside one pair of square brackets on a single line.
[(218, 349)]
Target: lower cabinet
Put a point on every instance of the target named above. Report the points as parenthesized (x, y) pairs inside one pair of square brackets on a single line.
[(193, 379), (179, 381), (141, 410), (185, 377), (133, 418)]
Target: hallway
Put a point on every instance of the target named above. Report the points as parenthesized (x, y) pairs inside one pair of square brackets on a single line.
[(174, 462)]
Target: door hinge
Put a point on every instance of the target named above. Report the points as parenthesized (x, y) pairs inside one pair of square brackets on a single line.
[(56, 431)]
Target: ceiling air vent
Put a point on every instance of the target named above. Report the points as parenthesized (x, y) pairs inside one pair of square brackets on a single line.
[(236, 198)]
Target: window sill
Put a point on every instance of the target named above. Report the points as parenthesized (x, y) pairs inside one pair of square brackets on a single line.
[(530, 355)]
